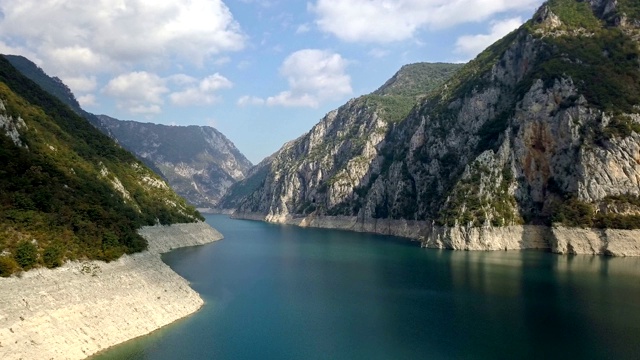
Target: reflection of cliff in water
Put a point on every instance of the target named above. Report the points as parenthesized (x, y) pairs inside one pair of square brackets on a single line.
[(564, 306)]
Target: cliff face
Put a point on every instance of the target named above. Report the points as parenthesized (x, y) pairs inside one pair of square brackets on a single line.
[(199, 162), (540, 128), (320, 171)]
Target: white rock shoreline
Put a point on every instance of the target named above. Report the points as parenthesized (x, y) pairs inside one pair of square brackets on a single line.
[(85, 307), (557, 239)]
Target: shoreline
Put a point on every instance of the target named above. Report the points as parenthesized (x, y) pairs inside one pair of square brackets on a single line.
[(85, 307), (556, 239)]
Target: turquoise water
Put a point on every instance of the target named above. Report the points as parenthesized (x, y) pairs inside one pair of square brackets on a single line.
[(282, 292)]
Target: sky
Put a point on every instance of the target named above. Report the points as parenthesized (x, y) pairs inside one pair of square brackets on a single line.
[(262, 72)]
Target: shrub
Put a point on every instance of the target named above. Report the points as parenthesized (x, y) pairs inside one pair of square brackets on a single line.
[(7, 266), (52, 256), (26, 255)]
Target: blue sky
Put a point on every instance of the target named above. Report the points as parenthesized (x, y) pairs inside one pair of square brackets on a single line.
[(263, 72)]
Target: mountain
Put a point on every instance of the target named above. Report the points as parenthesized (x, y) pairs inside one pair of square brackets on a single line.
[(313, 173), (199, 163), (533, 144), (67, 191)]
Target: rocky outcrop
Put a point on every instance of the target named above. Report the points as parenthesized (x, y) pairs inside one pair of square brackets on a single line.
[(541, 128), (487, 238), (84, 307)]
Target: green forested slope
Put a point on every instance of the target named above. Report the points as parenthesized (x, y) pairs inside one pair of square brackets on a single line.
[(66, 190)]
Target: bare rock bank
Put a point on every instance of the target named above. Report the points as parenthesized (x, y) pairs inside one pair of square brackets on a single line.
[(84, 307), (557, 239)]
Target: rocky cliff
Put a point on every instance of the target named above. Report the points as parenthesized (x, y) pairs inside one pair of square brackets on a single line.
[(199, 162), (541, 128)]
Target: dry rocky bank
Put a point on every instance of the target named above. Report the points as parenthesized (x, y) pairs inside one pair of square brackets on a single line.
[(557, 239), (84, 307)]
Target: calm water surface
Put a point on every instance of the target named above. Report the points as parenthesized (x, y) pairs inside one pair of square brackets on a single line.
[(282, 292)]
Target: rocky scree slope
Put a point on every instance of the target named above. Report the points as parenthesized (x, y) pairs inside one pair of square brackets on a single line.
[(199, 162), (539, 134), (67, 191)]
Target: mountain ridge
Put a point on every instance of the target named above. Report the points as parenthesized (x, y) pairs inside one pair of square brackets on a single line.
[(199, 162)]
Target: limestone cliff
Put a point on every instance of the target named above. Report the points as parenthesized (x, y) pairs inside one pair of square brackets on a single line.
[(541, 128)]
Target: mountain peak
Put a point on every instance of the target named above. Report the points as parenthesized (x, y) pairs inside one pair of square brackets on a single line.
[(416, 79)]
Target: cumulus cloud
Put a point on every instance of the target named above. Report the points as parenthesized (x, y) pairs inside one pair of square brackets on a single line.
[(81, 84), (203, 93), (384, 21), (472, 45), (75, 37), (250, 100), (314, 76), (144, 93), (303, 28), (138, 92), (87, 100)]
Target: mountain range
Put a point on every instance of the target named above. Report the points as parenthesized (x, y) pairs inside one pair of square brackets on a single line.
[(536, 137)]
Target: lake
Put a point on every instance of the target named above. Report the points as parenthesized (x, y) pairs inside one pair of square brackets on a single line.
[(283, 292)]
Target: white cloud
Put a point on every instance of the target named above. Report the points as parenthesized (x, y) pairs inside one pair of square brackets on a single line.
[(314, 76), (222, 61), (77, 37), (181, 79), (215, 82), (82, 84), (203, 93), (138, 92), (142, 92), (384, 21), (87, 100), (243, 65), (472, 45), (303, 28), (18, 50), (250, 100), (378, 53)]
